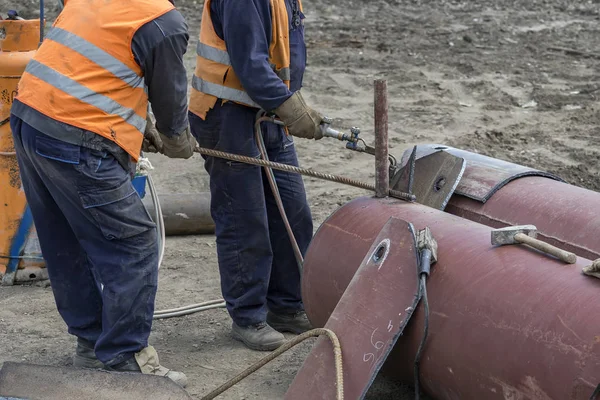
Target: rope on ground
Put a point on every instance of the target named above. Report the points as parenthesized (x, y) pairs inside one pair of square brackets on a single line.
[(301, 171), (337, 351)]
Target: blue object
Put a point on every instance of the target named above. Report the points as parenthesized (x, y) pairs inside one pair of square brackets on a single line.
[(17, 246), (12, 14), (256, 261), (246, 28), (93, 229), (139, 183)]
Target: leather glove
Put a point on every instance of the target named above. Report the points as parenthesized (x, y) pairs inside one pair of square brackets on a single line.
[(593, 270), (152, 142), (181, 146), (300, 120)]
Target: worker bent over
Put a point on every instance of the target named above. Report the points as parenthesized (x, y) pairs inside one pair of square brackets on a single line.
[(78, 123), (252, 56)]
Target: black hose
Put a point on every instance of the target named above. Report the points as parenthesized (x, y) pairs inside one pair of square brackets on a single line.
[(423, 295), (596, 393)]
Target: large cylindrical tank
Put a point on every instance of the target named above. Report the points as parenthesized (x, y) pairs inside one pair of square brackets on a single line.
[(506, 322), (566, 215), (18, 241), (498, 193)]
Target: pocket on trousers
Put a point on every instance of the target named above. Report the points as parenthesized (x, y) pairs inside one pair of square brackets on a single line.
[(118, 212), (288, 140), (57, 150)]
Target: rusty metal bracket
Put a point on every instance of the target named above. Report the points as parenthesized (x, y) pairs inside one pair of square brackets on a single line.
[(369, 318), (483, 175), (49, 382), (436, 176), (405, 174)]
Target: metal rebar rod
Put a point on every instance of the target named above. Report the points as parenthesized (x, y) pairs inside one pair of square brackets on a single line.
[(382, 172), (301, 171)]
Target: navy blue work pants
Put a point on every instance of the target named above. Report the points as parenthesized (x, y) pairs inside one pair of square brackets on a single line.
[(93, 229), (258, 269)]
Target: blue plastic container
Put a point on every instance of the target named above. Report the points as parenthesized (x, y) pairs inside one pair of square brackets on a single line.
[(139, 183)]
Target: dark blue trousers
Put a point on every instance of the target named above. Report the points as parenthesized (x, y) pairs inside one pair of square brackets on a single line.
[(93, 229), (256, 261)]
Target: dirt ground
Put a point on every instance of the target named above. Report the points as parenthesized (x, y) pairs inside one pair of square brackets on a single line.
[(485, 76)]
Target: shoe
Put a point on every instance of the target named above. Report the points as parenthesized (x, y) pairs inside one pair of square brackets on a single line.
[(85, 357), (295, 322), (146, 362), (259, 337)]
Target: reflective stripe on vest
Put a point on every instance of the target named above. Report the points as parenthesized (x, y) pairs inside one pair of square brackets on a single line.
[(222, 92), (97, 55), (222, 57), (84, 94)]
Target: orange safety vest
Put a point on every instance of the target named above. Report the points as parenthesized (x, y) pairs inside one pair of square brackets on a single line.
[(214, 77), (85, 75)]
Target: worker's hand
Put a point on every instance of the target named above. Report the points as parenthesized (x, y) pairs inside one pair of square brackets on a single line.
[(152, 142), (301, 120), (181, 146)]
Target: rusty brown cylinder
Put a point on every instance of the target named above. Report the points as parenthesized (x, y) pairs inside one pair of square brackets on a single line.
[(506, 322), (566, 215)]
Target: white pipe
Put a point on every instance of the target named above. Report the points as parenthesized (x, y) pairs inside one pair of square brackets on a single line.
[(184, 308), (187, 312)]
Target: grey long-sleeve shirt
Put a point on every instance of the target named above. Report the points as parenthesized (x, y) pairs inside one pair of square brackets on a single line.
[(158, 48)]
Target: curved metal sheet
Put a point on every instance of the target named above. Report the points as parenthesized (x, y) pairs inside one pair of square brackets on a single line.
[(483, 175), (566, 216), (436, 177), (51, 382), (506, 322), (368, 320)]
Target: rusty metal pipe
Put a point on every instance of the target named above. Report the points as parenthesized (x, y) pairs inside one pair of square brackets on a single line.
[(506, 322), (499, 193), (382, 174), (565, 215)]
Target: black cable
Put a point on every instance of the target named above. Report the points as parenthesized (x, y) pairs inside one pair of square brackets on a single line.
[(596, 393), (423, 295)]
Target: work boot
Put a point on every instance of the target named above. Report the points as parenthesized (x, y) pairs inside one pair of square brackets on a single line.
[(294, 322), (85, 357), (146, 362), (259, 337)]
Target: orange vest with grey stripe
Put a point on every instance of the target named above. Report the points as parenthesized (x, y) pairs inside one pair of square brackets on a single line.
[(85, 75), (214, 77)]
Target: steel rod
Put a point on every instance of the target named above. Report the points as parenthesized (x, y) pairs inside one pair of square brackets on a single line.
[(382, 172), (301, 171)]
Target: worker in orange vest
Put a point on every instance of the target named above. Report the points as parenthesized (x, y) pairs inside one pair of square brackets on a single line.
[(251, 55), (78, 124)]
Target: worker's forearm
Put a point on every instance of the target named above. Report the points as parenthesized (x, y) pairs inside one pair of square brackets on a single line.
[(247, 31), (159, 47)]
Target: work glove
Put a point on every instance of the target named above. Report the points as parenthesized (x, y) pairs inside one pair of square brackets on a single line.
[(181, 146), (300, 120), (152, 142), (593, 270)]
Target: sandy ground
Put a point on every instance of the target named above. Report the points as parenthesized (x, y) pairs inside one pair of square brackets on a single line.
[(484, 76)]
